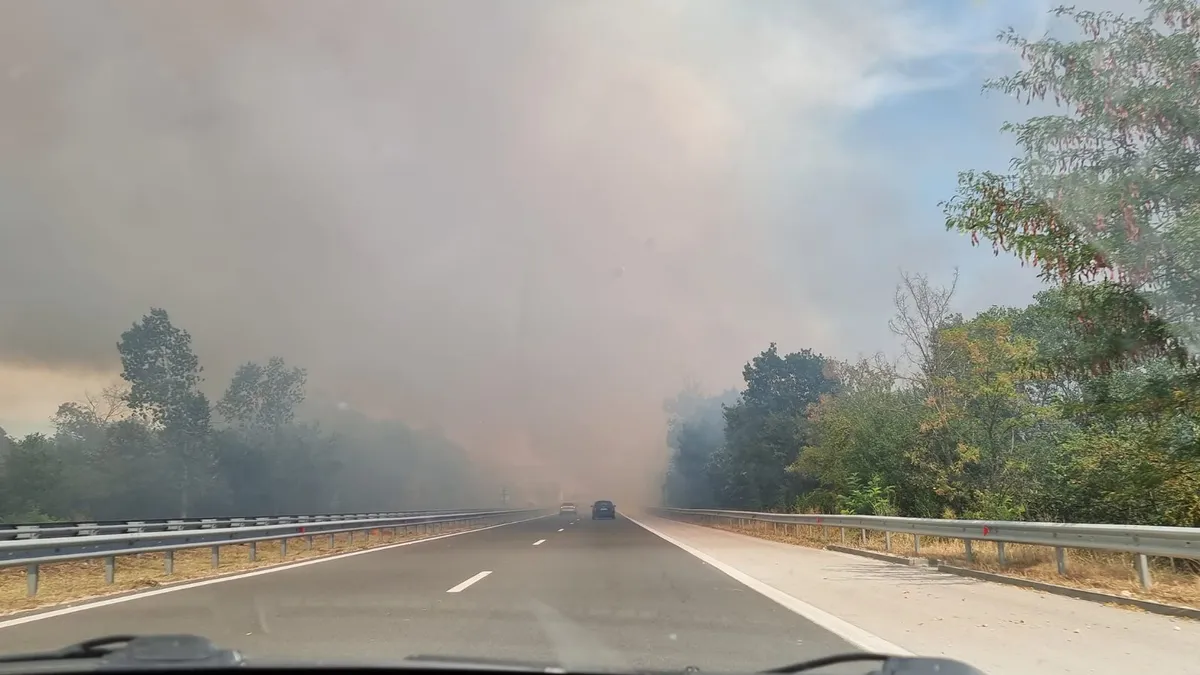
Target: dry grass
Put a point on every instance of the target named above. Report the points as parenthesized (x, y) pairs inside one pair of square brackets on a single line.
[(1091, 570), (73, 581)]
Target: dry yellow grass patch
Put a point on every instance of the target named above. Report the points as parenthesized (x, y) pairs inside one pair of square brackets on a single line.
[(84, 579), (1102, 571)]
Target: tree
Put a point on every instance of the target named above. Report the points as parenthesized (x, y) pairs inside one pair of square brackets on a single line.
[(146, 449), (968, 454), (1104, 199), (78, 423), (164, 376), (695, 433), (265, 457), (768, 425), (32, 473), (263, 397), (1133, 471), (858, 440), (922, 310)]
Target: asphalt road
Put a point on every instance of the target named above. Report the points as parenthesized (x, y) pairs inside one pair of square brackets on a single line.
[(561, 590)]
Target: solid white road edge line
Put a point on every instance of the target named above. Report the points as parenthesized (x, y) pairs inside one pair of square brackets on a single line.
[(839, 627), (461, 587), (539, 542), (50, 614)]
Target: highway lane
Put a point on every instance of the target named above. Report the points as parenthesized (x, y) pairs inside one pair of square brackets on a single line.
[(560, 590)]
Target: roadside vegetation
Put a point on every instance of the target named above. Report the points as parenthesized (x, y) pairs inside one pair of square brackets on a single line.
[(1079, 407), (157, 447)]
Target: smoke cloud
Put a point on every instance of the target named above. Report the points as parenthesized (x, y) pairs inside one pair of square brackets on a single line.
[(524, 222)]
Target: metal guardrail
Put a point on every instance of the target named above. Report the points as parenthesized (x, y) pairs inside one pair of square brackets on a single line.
[(10, 531), (32, 552), (1140, 540)]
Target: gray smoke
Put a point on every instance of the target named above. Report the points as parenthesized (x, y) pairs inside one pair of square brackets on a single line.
[(527, 222)]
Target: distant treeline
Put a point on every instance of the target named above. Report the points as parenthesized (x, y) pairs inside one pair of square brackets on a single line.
[(1082, 406), (155, 447), (982, 429)]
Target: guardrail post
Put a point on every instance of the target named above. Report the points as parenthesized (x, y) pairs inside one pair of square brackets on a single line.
[(310, 542), (31, 580), (332, 540), (843, 534), (970, 551), (283, 548), (916, 544), (1060, 557), (110, 569), (887, 541), (253, 551), (169, 562), (1143, 571), (216, 557), (864, 537), (1000, 553)]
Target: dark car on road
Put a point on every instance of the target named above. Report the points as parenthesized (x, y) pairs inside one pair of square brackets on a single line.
[(604, 509)]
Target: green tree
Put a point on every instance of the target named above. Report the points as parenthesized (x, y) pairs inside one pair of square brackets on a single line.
[(1104, 198), (263, 397), (858, 443), (767, 427), (265, 458), (968, 453), (33, 474), (136, 474), (164, 376)]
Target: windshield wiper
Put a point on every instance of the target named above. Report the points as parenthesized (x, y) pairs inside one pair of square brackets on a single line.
[(439, 661), (88, 649), (828, 661), (891, 665), (145, 651), (126, 652)]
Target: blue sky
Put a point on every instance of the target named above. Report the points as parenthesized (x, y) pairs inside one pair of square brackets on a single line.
[(906, 112), (926, 138), (887, 112)]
